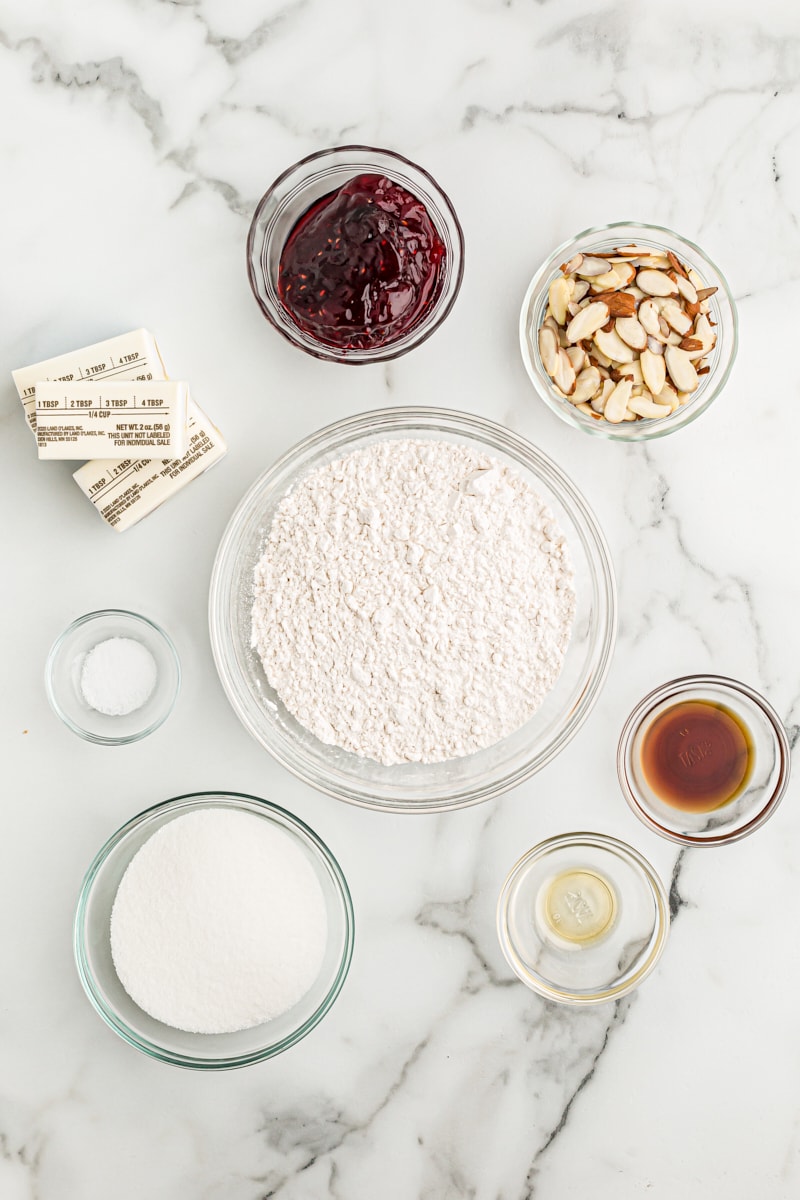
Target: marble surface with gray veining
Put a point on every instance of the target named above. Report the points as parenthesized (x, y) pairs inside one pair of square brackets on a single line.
[(136, 137)]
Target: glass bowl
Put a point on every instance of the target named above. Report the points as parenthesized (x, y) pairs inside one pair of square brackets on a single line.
[(412, 787), (764, 787), (62, 677), (582, 918), (722, 310), (206, 1052), (293, 193)]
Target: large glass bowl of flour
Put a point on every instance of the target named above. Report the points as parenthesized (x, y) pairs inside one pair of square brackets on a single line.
[(412, 786)]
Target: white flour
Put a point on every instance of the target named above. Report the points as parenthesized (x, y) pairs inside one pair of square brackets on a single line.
[(414, 601), (219, 923)]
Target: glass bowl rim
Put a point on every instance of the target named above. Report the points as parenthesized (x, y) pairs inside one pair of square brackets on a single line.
[(673, 687), (640, 431), (496, 437), (643, 868), (195, 801), (395, 349), (88, 735)]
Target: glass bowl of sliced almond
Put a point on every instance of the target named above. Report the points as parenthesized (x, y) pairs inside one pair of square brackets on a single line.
[(628, 331)]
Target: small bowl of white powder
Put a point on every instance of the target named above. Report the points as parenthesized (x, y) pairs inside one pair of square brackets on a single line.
[(213, 931), (113, 677)]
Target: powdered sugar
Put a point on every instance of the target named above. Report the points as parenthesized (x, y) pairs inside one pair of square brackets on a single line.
[(413, 602), (219, 923)]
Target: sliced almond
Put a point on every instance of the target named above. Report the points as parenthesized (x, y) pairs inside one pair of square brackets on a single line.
[(598, 359), (605, 283), (686, 289), (703, 330), (617, 402), (677, 265), (548, 349), (656, 283), (586, 385), (654, 345), (632, 251), (704, 293), (559, 296), (579, 289), (577, 357), (591, 266), (625, 273), (673, 405), (634, 372), (648, 317), (612, 345), (656, 262), (569, 268), (620, 304), (586, 408), (668, 397), (565, 375), (631, 332), (681, 369), (587, 321), (676, 318), (647, 408), (654, 371), (691, 343)]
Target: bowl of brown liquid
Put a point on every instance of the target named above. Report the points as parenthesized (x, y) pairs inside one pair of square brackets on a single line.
[(703, 760)]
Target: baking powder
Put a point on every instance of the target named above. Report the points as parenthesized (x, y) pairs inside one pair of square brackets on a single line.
[(118, 676), (414, 601)]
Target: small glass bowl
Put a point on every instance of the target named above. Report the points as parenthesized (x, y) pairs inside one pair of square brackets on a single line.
[(582, 918), (62, 677), (767, 782), (206, 1052), (412, 787), (293, 193), (722, 311)]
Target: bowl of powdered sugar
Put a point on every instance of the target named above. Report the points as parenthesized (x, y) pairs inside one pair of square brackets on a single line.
[(413, 610), (213, 931)]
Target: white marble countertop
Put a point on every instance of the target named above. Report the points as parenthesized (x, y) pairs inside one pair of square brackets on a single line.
[(137, 137)]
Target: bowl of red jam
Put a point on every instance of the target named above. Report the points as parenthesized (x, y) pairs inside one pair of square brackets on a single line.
[(355, 254)]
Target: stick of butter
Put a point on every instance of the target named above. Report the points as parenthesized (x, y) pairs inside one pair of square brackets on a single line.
[(92, 419), (131, 355), (124, 492)]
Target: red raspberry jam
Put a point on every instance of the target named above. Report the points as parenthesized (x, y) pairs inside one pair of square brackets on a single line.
[(362, 266)]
